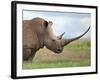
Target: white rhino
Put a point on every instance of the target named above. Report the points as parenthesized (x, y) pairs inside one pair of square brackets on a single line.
[(38, 33)]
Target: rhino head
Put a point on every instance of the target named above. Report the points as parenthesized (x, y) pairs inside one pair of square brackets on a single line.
[(57, 43)]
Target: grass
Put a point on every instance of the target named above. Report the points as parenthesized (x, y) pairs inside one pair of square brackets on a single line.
[(78, 45), (76, 54), (55, 64)]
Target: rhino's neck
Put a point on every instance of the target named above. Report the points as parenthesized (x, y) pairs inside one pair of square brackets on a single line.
[(40, 41)]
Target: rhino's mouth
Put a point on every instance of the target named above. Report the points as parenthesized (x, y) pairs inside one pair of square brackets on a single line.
[(58, 51)]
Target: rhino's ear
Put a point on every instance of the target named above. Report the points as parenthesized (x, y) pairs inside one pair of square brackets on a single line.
[(45, 24)]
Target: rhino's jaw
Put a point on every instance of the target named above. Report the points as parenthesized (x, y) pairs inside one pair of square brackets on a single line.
[(56, 50)]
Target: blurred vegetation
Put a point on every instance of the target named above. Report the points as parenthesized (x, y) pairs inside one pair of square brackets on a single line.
[(81, 44)]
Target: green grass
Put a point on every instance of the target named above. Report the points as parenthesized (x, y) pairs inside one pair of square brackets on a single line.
[(76, 54), (55, 64), (83, 44)]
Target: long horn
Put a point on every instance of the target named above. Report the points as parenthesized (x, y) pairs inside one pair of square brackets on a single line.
[(66, 41), (60, 37)]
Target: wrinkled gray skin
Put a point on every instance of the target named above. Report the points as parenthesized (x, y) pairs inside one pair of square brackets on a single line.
[(38, 33)]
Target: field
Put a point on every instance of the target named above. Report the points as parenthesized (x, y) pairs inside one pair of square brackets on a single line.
[(76, 54)]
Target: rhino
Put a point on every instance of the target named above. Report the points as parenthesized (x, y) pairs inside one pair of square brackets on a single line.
[(38, 33)]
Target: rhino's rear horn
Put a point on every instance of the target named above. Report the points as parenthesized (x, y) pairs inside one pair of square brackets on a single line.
[(60, 37)]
